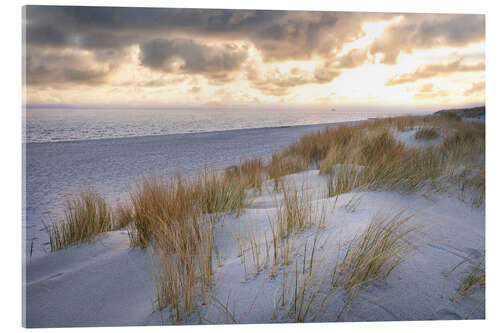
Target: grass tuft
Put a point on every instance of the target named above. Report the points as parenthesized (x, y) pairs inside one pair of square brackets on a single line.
[(282, 164), (427, 133), (85, 216), (123, 215), (375, 253), (184, 267), (475, 278), (250, 173), (157, 202)]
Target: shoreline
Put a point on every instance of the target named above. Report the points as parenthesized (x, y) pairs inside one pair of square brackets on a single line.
[(159, 136)]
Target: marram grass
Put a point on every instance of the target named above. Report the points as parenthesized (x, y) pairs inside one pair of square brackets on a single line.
[(86, 215)]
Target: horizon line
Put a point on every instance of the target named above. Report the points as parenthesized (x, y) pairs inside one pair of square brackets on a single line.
[(352, 108)]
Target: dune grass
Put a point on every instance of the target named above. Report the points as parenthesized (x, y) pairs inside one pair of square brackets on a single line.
[(342, 179), (295, 212), (375, 253), (123, 215), (467, 139), (368, 156), (150, 201), (159, 202), (286, 163), (477, 277), (175, 219), (464, 151), (301, 292), (250, 173), (86, 215), (216, 193), (315, 146), (377, 161), (427, 133), (306, 300), (452, 116), (184, 268)]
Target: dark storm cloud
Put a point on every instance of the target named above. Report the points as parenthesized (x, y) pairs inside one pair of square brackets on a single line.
[(46, 35), (60, 36), (278, 34), (151, 19), (161, 55), (107, 26), (62, 69), (428, 31), (427, 71), (295, 36), (455, 31), (169, 34), (166, 35), (42, 74)]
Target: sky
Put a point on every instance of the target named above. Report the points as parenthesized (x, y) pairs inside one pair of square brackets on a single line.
[(201, 57)]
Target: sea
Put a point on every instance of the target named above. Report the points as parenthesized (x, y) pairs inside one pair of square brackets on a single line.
[(70, 124)]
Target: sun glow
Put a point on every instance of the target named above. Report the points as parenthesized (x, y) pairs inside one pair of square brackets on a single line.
[(303, 59), (372, 31)]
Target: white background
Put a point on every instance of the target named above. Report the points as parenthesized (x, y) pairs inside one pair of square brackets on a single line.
[(11, 158)]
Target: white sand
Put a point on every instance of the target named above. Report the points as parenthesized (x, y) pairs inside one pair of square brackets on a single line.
[(408, 138), (108, 283)]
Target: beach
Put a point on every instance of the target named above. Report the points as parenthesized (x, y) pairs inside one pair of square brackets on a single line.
[(112, 166), (438, 232)]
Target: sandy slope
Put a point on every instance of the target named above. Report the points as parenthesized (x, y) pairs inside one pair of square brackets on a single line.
[(107, 283)]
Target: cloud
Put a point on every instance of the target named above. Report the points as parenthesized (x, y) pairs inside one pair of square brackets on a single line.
[(155, 82), (354, 58), (188, 56), (86, 45), (477, 87), (427, 91), (47, 35), (423, 31), (426, 88), (195, 90), (427, 71), (295, 35), (65, 68), (277, 83), (324, 74), (278, 34)]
